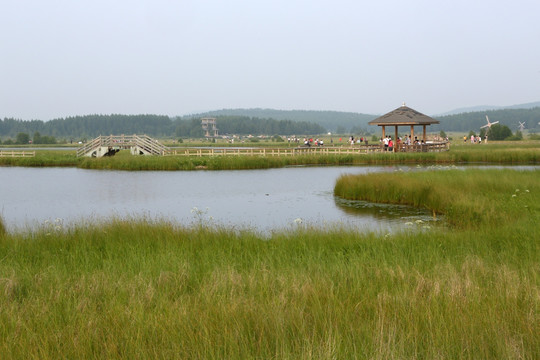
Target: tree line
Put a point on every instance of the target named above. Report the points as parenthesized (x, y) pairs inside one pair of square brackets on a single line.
[(243, 122), (334, 121), (245, 125), (90, 126)]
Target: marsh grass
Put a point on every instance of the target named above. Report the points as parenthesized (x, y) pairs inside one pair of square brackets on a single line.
[(124, 161), (468, 198), (139, 288), (50, 158), (496, 153)]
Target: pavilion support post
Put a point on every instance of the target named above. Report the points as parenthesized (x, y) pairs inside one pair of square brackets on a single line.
[(424, 136), (395, 140), (412, 132), (383, 132)]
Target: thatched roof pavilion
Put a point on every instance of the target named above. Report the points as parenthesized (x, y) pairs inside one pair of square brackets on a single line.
[(404, 116)]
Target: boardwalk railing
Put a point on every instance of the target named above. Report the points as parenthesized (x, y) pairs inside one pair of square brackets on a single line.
[(319, 150), (428, 147), (147, 145), (17, 153), (143, 143)]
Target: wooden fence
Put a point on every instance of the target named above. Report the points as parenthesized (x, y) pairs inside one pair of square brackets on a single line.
[(11, 153), (315, 150)]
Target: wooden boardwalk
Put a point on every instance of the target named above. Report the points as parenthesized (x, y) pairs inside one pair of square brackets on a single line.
[(143, 144), (312, 150), (12, 153)]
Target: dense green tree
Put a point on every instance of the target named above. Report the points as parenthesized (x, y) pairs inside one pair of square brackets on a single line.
[(36, 138), (22, 138), (499, 132), (483, 132)]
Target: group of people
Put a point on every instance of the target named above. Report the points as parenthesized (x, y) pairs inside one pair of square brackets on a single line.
[(360, 140), (317, 142), (408, 140), (388, 143), (475, 139)]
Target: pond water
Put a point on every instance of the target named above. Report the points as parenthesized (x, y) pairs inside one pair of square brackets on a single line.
[(263, 200)]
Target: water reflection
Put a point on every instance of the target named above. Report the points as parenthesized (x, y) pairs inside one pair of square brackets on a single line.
[(381, 211), (399, 216)]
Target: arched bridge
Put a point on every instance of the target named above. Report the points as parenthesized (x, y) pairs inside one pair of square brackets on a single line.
[(109, 145)]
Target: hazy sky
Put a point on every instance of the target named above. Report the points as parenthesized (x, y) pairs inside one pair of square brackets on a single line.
[(74, 57)]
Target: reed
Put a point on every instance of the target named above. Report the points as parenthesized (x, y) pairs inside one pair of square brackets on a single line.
[(468, 198), (142, 289)]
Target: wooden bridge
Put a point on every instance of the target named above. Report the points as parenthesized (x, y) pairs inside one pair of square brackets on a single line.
[(109, 145)]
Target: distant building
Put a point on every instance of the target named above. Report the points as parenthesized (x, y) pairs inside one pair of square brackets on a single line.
[(209, 126)]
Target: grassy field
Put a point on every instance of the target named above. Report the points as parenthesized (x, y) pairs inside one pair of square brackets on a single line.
[(140, 289), (523, 152)]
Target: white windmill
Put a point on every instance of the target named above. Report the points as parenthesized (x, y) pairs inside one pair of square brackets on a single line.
[(488, 125), (521, 126)]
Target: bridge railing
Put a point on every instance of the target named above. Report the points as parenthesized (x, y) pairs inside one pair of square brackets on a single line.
[(144, 142), (150, 145), (89, 146)]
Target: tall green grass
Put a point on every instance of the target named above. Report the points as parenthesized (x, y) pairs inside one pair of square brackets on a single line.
[(52, 158), (468, 198), (137, 289)]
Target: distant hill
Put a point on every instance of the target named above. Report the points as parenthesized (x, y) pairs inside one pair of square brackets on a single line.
[(330, 120), (462, 120), (490, 107), (259, 121)]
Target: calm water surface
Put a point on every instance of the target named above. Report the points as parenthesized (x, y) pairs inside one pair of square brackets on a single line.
[(258, 199)]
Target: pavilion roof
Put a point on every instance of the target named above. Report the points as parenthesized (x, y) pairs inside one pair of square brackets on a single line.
[(403, 115)]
